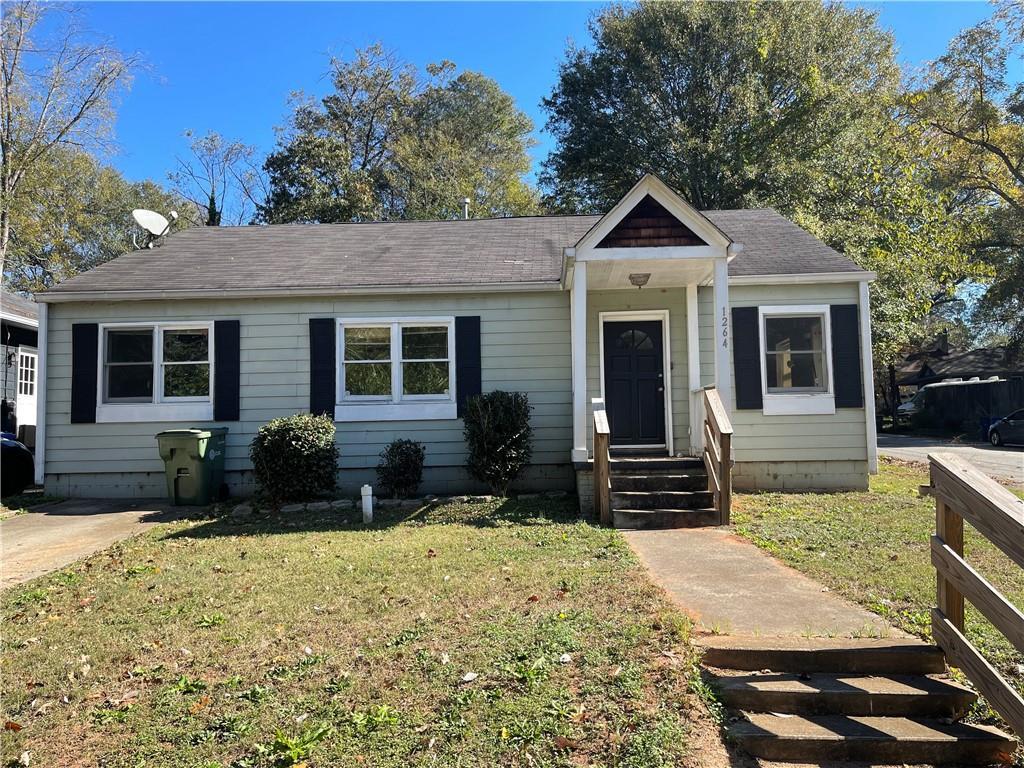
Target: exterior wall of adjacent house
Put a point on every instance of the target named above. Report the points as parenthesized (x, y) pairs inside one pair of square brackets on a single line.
[(524, 347), (804, 452), (632, 300)]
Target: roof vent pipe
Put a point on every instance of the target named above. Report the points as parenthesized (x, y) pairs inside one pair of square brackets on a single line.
[(465, 208)]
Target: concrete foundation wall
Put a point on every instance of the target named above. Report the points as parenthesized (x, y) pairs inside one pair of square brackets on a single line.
[(800, 476)]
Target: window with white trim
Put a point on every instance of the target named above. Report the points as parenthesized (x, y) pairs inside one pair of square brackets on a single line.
[(796, 348), (395, 362)]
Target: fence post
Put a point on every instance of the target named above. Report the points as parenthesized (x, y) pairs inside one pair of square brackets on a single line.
[(949, 526)]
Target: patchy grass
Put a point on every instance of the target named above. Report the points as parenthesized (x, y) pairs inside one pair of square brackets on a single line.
[(499, 633), (873, 547), (21, 503)]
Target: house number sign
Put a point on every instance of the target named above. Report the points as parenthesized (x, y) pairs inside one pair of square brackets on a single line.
[(725, 328)]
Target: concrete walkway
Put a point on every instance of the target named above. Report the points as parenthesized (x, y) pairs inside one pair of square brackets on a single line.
[(58, 534), (729, 586)]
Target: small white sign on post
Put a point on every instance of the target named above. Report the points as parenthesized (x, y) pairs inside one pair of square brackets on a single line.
[(367, 492)]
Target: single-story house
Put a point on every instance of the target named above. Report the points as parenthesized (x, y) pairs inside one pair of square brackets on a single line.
[(19, 330), (390, 326), (943, 363)]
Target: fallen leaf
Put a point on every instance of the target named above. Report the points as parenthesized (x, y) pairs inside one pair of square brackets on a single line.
[(86, 601), (10, 725), (201, 704), (431, 553), (533, 598), (563, 743), (469, 677)]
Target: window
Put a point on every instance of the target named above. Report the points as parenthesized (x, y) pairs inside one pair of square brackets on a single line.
[(156, 372), (796, 373), (396, 369), (27, 373)]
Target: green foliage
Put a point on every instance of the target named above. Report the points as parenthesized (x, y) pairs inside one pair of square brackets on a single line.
[(498, 438), (295, 457), (388, 143), (285, 750), (400, 470)]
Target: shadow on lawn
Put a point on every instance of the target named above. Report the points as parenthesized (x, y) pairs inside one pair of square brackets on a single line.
[(483, 514)]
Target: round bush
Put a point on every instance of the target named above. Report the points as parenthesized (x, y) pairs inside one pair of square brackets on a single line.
[(401, 468), (295, 457)]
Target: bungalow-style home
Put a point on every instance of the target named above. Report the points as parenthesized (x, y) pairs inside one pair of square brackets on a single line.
[(19, 327), (391, 326)]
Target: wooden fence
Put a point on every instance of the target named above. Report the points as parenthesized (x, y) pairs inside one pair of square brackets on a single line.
[(962, 492), (718, 453), (602, 465)]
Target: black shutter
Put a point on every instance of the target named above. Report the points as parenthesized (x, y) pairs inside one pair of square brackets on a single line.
[(846, 367), (322, 370), (746, 358), (468, 377), (227, 365), (84, 351)]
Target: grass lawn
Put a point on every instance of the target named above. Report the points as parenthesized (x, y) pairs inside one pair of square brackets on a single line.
[(497, 633), (873, 547)]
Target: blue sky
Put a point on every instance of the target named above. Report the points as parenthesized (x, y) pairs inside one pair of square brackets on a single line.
[(230, 67)]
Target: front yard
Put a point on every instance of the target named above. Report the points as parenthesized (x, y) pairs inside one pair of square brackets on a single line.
[(498, 633), (873, 548)]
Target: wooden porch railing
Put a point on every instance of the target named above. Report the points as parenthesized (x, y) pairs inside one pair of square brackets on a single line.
[(602, 465), (962, 492), (718, 453)]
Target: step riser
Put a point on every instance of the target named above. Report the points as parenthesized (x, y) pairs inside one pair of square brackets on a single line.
[(662, 500), (874, 751), (655, 466), (638, 520), (659, 482), (858, 703), (909, 660)]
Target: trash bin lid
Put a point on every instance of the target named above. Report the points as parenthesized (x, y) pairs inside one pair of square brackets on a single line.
[(195, 432)]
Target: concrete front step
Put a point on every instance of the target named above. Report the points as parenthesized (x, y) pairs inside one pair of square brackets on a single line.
[(874, 739), (691, 481), (661, 499), (638, 519), (839, 694), (853, 656)]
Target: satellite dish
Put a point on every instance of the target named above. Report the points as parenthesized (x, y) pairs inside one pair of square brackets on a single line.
[(151, 221)]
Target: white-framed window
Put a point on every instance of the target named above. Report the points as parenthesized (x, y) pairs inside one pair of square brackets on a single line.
[(796, 360), (400, 368), (27, 373), (155, 371)]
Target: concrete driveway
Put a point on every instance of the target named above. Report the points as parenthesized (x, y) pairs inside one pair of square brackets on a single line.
[(55, 535), (1006, 463)]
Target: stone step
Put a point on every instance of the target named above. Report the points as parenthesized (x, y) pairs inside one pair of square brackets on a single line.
[(840, 694), (645, 465), (636, 519), (691, 481), (661, 499), (856, 656), (874, 739)]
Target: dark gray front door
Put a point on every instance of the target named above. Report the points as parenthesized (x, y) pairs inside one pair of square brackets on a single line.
[(634, 382)]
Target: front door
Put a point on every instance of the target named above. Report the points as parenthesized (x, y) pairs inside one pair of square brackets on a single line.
[(634, 382)]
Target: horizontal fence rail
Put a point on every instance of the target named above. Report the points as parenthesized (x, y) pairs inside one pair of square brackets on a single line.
[(718, 453), (962, 492)]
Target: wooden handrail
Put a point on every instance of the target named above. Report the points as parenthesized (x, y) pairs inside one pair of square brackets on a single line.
[(962, 492), (602, 465), (718, 453)]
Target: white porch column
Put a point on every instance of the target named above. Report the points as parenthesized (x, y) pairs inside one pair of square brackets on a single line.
[(722, 333), (868, 372), (42, 345), (578, 321), (693, 371)]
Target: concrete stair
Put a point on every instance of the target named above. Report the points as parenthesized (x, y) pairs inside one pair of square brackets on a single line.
[(882, 701), (660, 492)]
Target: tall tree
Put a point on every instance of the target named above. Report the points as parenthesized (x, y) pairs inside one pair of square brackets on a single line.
[(72, 214), (221, 179), (733, 104), (389, 142), (57, 91)]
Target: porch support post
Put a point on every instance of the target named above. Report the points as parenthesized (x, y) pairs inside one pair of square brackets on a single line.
[(722, 333), (868, 372), (578, 324), (693, 371)]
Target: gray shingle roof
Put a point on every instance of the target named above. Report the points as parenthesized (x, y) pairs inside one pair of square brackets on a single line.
[(417, 253), (19, 307)]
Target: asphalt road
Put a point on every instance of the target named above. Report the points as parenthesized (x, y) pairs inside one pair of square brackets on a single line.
[(1005, 462)]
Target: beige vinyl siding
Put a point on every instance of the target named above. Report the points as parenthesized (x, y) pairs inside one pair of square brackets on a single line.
[(777, 439), (524, 347), (634, 300)]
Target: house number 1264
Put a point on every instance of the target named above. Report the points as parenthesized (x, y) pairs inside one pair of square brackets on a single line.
[(725, 328)]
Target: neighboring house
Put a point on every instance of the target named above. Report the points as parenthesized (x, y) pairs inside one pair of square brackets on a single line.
[(941, 363), (390, 326), (19, 330)]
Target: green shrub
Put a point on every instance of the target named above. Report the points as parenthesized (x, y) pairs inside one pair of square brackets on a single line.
[(401, 468), (498, 437), (295, 457)]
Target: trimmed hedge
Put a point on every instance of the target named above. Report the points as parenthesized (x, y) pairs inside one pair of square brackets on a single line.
[(295, 457), (400, 470), (499, 438)]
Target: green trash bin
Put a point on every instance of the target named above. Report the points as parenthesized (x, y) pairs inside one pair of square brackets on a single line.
[(194, 463)]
